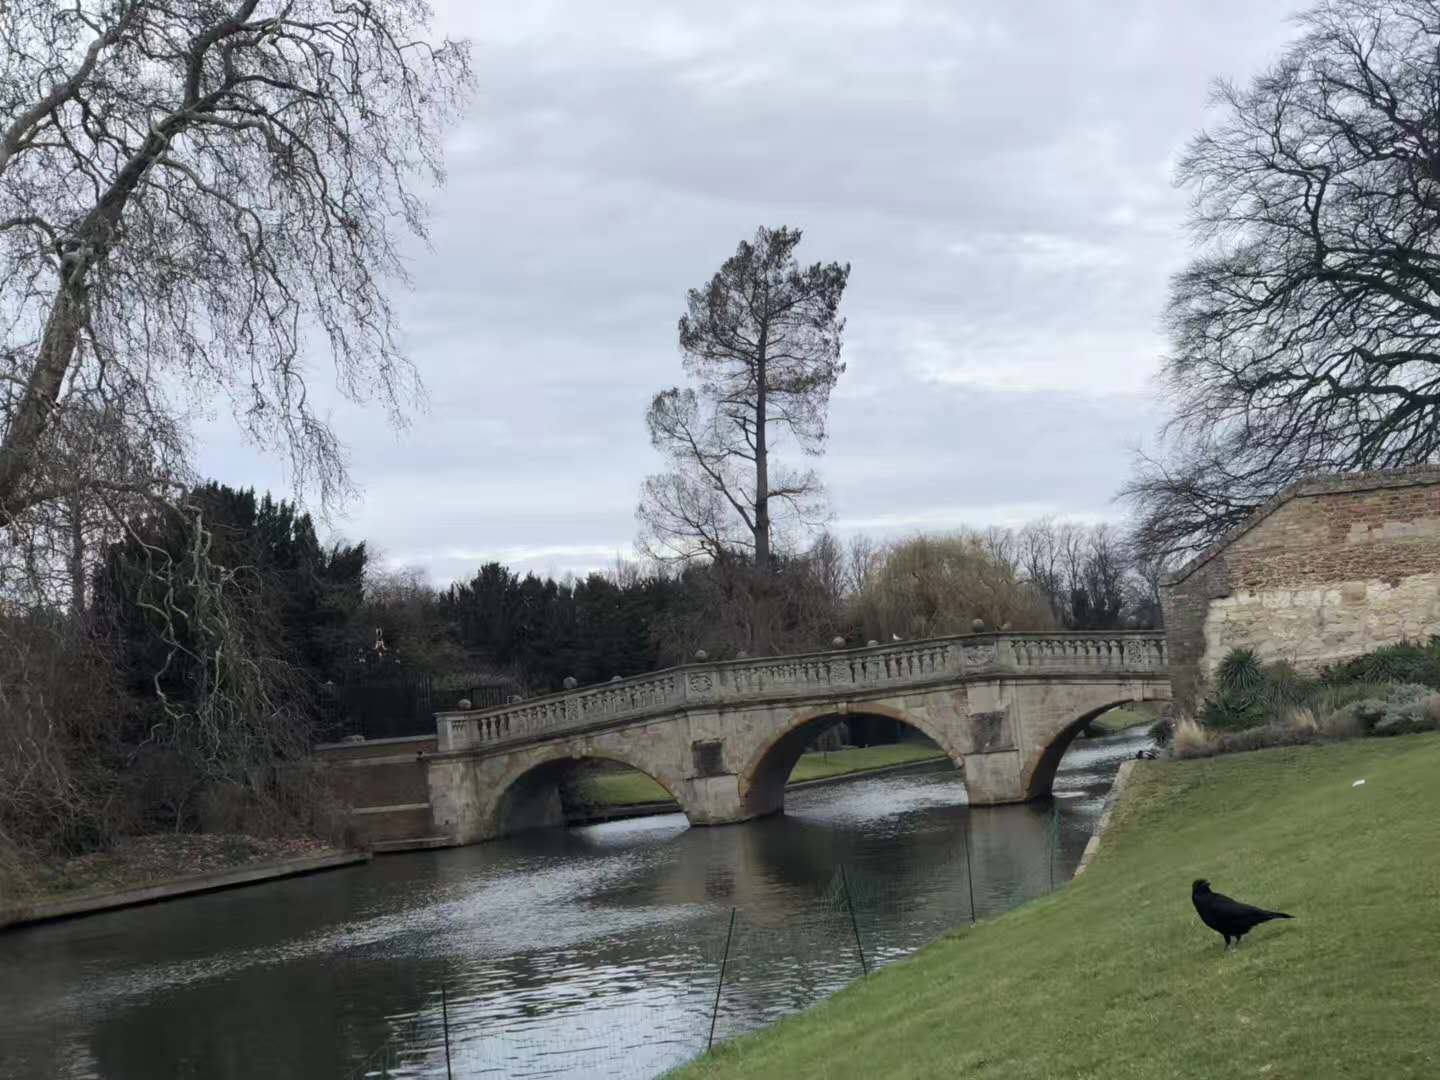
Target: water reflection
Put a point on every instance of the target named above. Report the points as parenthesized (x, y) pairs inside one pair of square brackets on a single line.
[(587, 952)]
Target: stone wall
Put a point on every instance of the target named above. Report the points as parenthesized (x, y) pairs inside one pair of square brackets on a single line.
[(1329, 569)]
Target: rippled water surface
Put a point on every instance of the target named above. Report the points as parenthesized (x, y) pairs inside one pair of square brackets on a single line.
[(589, 952)]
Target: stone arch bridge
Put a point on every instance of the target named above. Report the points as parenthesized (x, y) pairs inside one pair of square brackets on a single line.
[(722, 738)]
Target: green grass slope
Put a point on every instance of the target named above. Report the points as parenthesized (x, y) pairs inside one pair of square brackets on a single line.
[(624, 788), (1114, 977), (1123, 719)]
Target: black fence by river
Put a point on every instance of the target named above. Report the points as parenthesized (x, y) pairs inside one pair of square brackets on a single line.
[(857, 924), (589, 952)]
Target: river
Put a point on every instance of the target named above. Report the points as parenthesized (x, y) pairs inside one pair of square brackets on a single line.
[(585, 952)]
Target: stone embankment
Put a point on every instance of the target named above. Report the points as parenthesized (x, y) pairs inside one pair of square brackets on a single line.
[(47, 910)]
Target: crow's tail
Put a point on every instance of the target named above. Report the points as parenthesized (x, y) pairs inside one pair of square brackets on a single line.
[(1279, 915)]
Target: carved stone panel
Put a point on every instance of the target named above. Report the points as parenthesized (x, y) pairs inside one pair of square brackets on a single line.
[(701, 682), (709, 757), (979, 655), (992, 731)]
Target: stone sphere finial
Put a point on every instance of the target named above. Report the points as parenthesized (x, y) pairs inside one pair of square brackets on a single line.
[(1005, 628), (978, 626), (742, 655), (515, 699), (701, 654), (570, 682), (1132, 623), (837, 642), (614, 678), (465, 703), (871, 643)]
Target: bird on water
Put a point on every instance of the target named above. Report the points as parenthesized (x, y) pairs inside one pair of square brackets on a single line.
[(1227, 917)]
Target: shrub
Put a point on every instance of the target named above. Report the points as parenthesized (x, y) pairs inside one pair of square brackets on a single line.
[(1360, 716), (1410, 708), (1348, 722), (1192, 740), (1249, 693), (1386, 692), (1404, 662), (1327, 699), (1240, 674), (1263, 737), (1303, 720)]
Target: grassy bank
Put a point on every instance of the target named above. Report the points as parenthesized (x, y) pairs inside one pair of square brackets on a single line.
[(622, 789), (141, 861), (1118, 720), (1113, 976)]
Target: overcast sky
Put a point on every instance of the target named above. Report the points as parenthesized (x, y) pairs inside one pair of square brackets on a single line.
[(998, 174)]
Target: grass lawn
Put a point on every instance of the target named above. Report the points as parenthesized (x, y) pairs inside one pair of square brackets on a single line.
[(817, 765), (1118, 720), (1113, 976), (617, 789)]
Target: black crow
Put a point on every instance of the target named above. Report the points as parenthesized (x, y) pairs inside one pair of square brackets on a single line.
[(1229, 918)]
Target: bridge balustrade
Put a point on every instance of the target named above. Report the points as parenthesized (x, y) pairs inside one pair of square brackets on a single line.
[(736, 682)]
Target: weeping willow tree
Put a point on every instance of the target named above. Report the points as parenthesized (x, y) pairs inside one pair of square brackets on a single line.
[(930, 586)]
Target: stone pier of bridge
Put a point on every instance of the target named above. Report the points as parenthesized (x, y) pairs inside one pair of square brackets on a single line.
[(722, 738)]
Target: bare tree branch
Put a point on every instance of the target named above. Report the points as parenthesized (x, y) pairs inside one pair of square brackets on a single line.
[(202, 193), (1306, 333)]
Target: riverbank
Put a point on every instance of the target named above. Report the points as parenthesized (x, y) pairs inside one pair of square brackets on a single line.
[(1114, 976), (1140, 714), (141, 870), (635, 789)]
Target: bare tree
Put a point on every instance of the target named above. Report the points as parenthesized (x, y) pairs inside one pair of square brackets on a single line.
[(1043, 547), (1086, 573), (828, 565), (862, 558), (1147, 572), (193, 194), (1306, 334), (762, 340)]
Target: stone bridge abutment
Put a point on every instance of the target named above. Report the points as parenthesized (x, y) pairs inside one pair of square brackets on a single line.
[(722, 738)]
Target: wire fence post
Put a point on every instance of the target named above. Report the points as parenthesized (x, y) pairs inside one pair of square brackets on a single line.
[(855, 926), (969, 878), (445, 1024), (1054, 839), (724, 960)]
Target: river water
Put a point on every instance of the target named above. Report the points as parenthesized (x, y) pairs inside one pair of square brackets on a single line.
[(586, 952)]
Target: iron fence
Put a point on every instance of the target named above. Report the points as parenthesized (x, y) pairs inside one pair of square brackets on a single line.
[(857, 924)]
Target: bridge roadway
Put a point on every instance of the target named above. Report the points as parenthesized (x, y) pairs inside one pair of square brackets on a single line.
[(722, 737)]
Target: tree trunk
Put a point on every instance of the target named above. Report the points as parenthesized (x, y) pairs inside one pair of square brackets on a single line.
[(77, 556), (761, 594), (22, 439)]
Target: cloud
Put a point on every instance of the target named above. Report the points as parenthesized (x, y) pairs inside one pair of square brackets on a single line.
[(999, 178)]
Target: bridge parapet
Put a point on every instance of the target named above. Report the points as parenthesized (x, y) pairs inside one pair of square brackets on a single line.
[(1089, 652), (837, 674)]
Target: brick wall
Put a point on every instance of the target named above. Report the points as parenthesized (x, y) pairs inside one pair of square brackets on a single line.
[(1327, 570)]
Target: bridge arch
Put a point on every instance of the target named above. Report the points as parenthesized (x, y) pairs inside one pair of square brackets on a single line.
[(763, 777), (528, 794), (1041, 774)]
